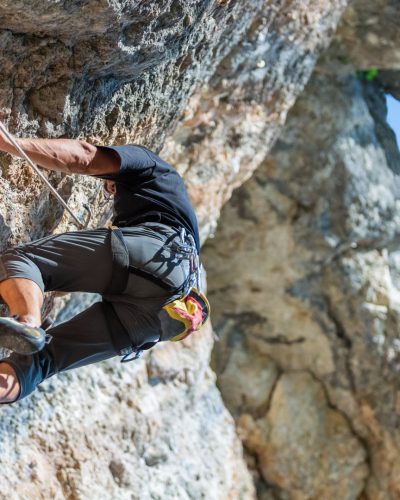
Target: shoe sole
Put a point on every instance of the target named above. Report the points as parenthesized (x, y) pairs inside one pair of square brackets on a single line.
[(19, 339)]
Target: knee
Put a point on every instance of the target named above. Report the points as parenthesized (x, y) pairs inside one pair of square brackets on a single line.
[(9, 384)]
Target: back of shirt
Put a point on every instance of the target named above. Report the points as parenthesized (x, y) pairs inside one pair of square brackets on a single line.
[(150, 190)]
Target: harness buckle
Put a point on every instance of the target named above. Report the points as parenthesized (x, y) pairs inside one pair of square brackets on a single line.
[(128, 357)]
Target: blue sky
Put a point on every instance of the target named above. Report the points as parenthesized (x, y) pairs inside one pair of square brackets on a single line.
[(393, 117)]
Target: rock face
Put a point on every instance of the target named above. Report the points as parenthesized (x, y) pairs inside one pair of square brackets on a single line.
[(126, 78), (155, 429), (118, 71), (230, 125), (110, 69), (303, 275), (304, 448)]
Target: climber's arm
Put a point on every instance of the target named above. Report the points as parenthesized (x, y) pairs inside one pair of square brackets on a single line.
[(65, 155)]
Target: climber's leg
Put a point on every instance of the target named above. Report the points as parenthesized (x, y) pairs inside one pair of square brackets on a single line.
[(83, 340), (75, 261), (67, 262), (24, 299), (22, 289)]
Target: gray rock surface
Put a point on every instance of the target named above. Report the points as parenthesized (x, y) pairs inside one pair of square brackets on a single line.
[(149, 430), (303, 276), (111, 68), (230, 125), (305, 449), (126, 78)]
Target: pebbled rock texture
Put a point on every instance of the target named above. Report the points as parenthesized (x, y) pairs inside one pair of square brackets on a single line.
[(303, 275), (126, 78), (153, 429)]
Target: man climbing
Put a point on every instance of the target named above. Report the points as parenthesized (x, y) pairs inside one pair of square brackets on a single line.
[(139, 269)]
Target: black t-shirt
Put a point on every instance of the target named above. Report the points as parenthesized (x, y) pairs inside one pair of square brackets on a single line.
[(150, 190)]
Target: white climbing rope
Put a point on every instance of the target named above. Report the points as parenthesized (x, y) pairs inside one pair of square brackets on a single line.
[(36, 169)]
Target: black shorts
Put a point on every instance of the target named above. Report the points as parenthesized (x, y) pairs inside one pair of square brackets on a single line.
[(83, 261)]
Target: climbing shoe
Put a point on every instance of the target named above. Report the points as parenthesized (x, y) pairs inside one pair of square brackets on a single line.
[(21, 338)]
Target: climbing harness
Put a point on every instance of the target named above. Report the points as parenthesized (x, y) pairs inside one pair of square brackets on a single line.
[(185, 314), (81, 225)]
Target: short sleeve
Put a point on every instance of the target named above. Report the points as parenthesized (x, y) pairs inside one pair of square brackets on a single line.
[(134, 159)]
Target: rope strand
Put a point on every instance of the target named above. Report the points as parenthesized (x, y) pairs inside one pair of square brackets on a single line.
[(36, 169)]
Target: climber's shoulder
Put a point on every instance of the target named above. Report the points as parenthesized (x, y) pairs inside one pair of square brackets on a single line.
[(129, 158)]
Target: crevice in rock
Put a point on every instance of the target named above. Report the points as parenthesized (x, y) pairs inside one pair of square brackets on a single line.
[(339, 328), (271, 394), (346, 341), (364, 442), (272, 489), (277, 339)]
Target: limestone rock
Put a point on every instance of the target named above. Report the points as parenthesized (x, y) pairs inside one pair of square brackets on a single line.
[(245, 380), (107, 432), (305, 448), (303, 269), (229, 126), (109, 68)]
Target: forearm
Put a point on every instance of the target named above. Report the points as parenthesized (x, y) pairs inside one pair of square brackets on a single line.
[(62, 155)]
